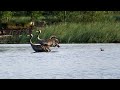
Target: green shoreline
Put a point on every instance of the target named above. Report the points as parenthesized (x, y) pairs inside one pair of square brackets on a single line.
[(97, 32)]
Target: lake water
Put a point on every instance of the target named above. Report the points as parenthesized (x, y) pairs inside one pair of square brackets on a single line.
[(70, 61)]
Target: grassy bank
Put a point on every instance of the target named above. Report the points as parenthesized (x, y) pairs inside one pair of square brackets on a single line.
[(97, 32)]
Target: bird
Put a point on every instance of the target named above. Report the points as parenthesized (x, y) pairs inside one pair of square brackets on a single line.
[(41, 41), (101, 49)]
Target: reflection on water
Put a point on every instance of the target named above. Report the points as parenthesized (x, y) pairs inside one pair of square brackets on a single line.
[(2, 50), (54, 51), (70, 61)]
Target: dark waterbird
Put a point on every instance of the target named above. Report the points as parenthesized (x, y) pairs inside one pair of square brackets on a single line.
[(44, 45), (39, 47), (101, 49)]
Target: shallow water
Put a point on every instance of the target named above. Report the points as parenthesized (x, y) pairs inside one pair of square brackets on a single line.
[(70, 61)]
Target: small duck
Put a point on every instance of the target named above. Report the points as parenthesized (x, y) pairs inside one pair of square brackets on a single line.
[(101, 49)]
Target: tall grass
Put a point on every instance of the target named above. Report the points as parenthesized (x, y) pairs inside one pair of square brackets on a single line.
[(97, 32)]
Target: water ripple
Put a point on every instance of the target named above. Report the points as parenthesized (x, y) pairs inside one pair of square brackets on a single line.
[(70, 61)]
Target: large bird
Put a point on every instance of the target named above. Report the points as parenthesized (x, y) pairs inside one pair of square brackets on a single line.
[(39, 47), (41, 41), (52, 41)]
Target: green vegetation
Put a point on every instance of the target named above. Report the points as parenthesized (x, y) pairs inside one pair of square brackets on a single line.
[(96, 32), (68, 26)]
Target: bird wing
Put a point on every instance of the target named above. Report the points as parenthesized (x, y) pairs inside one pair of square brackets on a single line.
[(43, 42)]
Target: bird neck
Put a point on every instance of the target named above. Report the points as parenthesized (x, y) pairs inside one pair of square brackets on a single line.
[(31, 36), (39, 35)]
